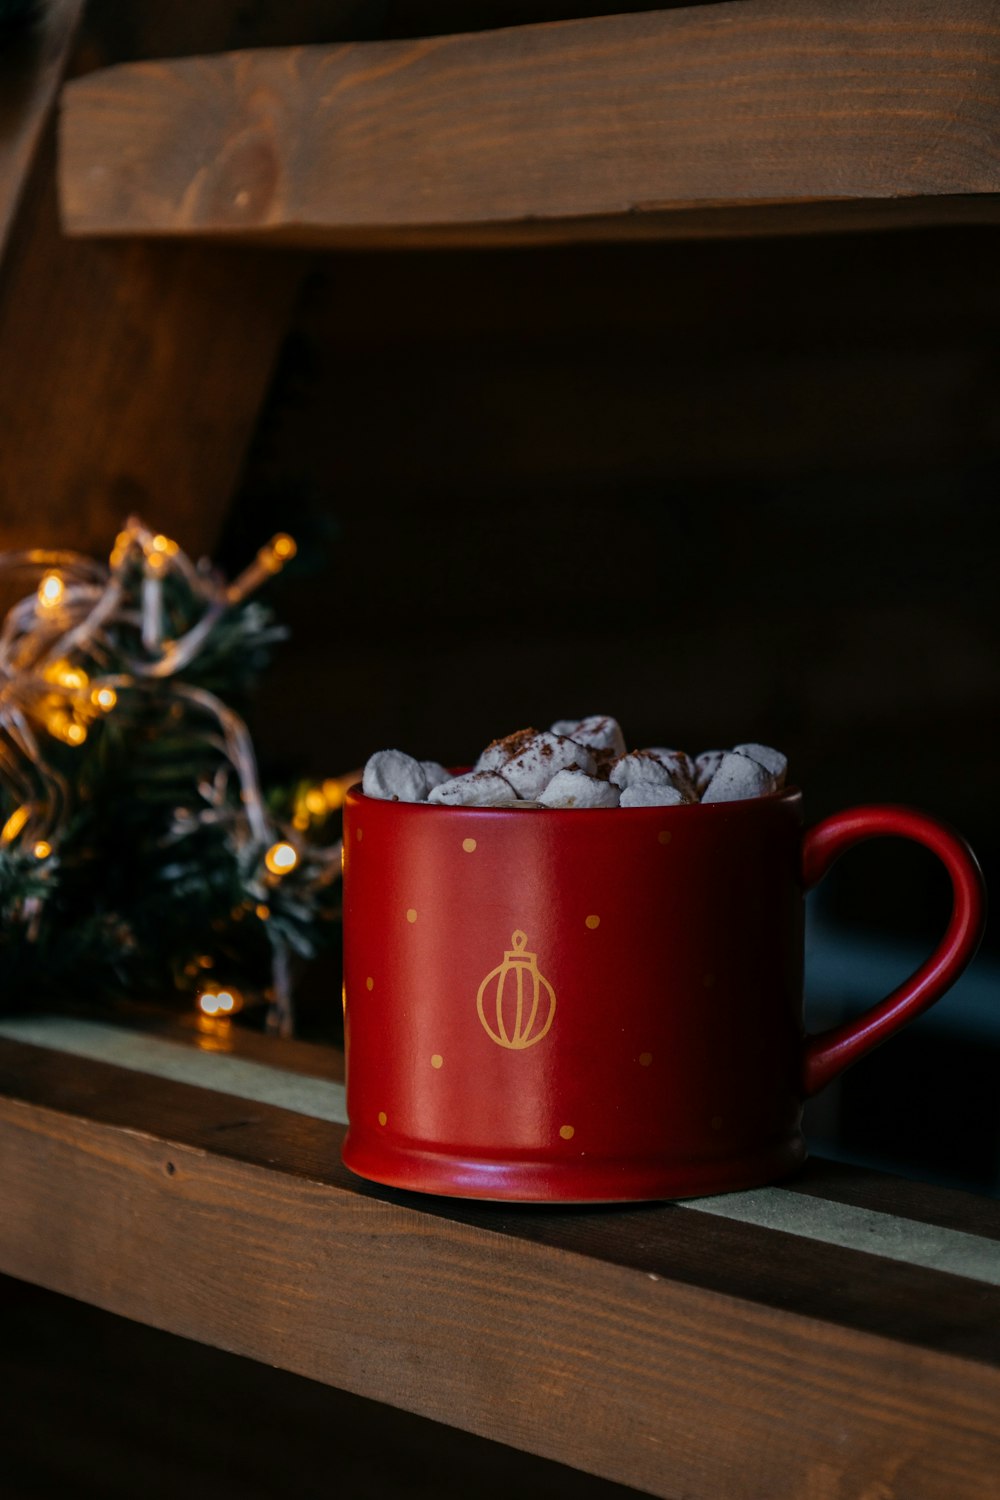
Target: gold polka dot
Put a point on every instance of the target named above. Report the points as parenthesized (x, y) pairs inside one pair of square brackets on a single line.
[(716, 1122), (664, 836), (592, 922), (369, 984), (468, 845), (359, 834), (567, 1132), (437, 1060), (382, 1117), (645, 1058), (411, 915), (708, 980)]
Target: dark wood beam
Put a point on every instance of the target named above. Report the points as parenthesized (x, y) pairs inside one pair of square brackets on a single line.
[(621, 125), (131, 376), (31, 70)]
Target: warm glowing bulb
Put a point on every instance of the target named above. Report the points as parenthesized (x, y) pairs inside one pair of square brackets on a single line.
[(315, 802), (225, 1000), (63, 675), (65, 728), (209, 1004), (42, 849), (281, 858), (13, 825), (155, 561), (333, 794), (50, 591), (161, 543), (262, 911), (104, 697), (279, 550)]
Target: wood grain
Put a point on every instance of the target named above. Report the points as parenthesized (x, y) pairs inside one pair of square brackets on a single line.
[(130, 376), (566, 1334), (620, 120), (130, 380)]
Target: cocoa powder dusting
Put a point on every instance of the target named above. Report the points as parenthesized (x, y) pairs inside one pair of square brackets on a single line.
[(512, 744)]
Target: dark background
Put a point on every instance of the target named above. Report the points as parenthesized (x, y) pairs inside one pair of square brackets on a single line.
[(723, 490)]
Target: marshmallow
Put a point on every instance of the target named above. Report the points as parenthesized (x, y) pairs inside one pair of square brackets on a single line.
[(394, 776), (639, 765), (577, 789), (533, 759), (499, 752), (737, 778), (579, 763), (475, 789), (774, 763), (598, 733), (681, 768), (435, 773), (706, 764), (651, 794)]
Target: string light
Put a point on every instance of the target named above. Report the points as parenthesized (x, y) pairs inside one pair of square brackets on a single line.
[(219, 1002), (333, 794), (88, 617), (270, 559), (281, 858), (63, 675), (63, 726), (14, 824), (51, 591)]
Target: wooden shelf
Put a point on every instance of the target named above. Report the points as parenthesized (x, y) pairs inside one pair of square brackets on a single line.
[(839, 1335), (746, 117)]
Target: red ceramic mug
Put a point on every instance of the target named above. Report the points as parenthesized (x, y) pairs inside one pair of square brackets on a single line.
[(602, 1005)]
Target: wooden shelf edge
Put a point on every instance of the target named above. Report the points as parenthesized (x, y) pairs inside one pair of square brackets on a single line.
[(234, 1225), (753, 116)]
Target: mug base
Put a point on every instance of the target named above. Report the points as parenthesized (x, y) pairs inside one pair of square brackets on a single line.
[(568, 1182)]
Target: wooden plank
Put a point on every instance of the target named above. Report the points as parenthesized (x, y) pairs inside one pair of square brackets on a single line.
[(759, 103), (165, 1418), (830, 1205), (595, 1338), (30, 72)]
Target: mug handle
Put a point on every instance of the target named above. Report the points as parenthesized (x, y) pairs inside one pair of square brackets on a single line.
[(829, 1052)]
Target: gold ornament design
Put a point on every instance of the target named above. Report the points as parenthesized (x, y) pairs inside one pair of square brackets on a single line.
[(519, 997)]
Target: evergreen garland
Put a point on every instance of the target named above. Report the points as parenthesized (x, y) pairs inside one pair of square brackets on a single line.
[(138, 854)]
